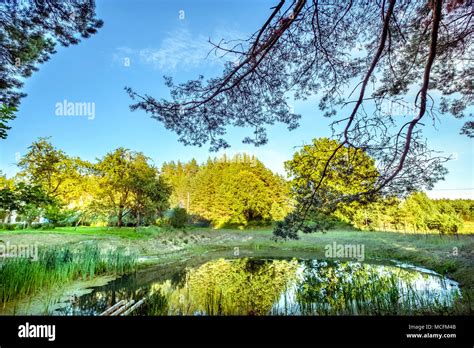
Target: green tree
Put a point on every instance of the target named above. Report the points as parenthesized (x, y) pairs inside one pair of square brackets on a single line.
[(149, 191), (180, 176), (27, 200), (238, 190), (128, 184), (178, 217), (59, 175), (420, 210), (114, 171), (351, 172), (6, 115)]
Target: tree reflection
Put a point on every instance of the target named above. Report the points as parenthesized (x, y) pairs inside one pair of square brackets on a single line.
[(353, 288), (223, 287)]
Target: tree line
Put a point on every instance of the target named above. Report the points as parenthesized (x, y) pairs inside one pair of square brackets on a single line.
[(416, 213), (125, 188)]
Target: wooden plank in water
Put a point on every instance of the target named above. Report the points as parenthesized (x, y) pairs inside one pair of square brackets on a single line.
[(123, 308), (135, 306), (113, 308)]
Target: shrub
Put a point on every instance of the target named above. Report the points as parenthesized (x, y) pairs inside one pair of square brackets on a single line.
[(47, 226), (59, 216), (178, 217), (198, 221), (445, 223), (322, 222), (8, 227)]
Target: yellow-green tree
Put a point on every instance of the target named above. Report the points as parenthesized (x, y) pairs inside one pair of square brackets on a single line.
[(319, 178), (238, 190), (128, 184)]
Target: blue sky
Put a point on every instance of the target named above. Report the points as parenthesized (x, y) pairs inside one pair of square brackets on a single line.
[(157, 42)]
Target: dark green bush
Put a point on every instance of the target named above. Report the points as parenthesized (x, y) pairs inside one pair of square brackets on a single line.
[(178, 217), (8, 227)]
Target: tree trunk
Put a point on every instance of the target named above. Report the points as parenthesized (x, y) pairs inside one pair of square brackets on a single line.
[(77, 223), (120, 217), (138, 218)]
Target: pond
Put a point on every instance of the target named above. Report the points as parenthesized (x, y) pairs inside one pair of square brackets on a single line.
[(255, 286)]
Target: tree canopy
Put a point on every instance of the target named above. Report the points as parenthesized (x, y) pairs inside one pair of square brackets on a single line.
[(317, 184), (235, 191), (128, 184), (125, 188)]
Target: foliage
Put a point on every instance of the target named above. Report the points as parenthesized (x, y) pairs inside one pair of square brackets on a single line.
[(58, 174), (445, 223), (178, 217), (374, 66), (463, 207), (124, 189), (128, 184), (224, 190), (352, 171), (416, 213), (6, 114), (180, 176), (27, 200), (57, 215)]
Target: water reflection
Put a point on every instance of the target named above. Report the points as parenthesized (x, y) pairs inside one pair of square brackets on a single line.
[(276, 287)]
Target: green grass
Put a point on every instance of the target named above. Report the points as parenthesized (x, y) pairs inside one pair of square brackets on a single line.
[(20, 277), (125, 232)]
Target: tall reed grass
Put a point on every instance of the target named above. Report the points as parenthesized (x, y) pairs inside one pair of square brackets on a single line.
[(21, 277)]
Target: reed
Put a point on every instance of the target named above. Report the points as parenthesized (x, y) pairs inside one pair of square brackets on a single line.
[(21, 277)]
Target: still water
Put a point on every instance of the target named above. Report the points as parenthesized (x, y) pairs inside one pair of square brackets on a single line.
[(252, 286)]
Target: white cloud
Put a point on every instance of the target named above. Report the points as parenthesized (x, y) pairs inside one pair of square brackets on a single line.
[(180, 49)]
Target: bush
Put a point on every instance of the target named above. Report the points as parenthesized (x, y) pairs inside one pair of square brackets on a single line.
[(59, 216), (178, 217), (445, 223), (318, 221), (47, 226), (198, 221), (8, 227)]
